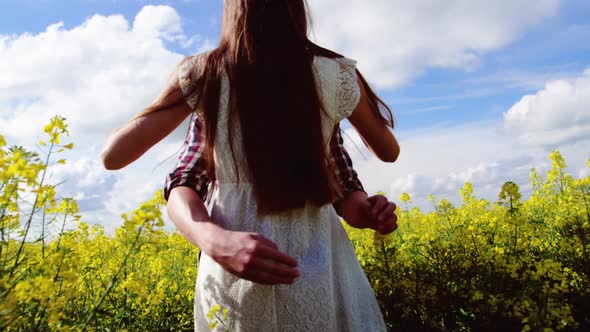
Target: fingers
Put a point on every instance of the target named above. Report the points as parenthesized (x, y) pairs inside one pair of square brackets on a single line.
[(267, 248), (378, 202), (383, 214), (382, 208), (265, 278), (265, 240), (274, 268), (387, 212), (264, 263), (387, 227), (277, 256)]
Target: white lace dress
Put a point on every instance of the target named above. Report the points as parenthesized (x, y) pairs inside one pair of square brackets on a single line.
[(332, 292)]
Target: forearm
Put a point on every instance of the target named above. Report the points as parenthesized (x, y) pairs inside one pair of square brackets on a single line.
[(131, 140), (353, 209), (190, 216)]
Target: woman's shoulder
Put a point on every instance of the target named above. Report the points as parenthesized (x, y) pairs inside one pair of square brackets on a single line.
[(338, 59), (194, 60), (340, 66), (190, 69)]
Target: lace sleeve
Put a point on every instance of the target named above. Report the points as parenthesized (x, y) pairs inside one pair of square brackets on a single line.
[(349, 92), (189, 70)]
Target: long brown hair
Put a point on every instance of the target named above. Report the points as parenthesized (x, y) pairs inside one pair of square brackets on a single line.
[(265, 50)]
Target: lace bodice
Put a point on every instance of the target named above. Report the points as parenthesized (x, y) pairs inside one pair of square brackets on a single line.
[(336, 80)]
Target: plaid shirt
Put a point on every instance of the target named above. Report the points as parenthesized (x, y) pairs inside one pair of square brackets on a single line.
[(190, 170)]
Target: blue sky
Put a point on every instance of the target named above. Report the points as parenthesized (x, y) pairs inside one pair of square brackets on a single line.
[(557, 46), (481, 91)]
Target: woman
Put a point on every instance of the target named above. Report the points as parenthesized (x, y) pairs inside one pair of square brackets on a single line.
[(274, 252)]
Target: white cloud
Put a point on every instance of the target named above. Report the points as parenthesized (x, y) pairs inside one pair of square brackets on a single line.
[(527, 80), (207, 45), (104, 71), (159, 22), (97, 75), (487, 179), (133, 185), (394, 41), (440, 160), (85, 171), (436, 151), (556, 114), (108, 194)]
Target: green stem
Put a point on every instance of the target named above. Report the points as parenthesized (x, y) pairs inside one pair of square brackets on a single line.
[(113, 281), (515, 237), (586, 205), (29, 221), (385, 261), (63, 227), (43, 232), (4, 234)]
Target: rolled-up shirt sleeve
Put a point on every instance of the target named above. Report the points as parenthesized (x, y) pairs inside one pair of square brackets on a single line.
[(345, 172), (190, 170)]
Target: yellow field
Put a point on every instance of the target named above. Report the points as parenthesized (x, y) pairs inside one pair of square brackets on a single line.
[(512, 264)]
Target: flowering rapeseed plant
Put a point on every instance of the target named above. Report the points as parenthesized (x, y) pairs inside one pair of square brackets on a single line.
[(218, 318), (519, 265)]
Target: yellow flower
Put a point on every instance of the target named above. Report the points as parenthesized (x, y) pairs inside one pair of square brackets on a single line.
[(213, 311)]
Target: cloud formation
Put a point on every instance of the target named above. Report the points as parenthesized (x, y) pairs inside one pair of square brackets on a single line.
[(101, 73), (96, 75), (439, 161), (556, 114), (394, 41)]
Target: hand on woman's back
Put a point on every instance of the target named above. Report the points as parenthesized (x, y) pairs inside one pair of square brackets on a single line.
[(253, 257)]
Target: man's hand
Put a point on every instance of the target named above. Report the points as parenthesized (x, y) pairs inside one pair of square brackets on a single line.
[(253, 257), (381, 214), (374, 212)]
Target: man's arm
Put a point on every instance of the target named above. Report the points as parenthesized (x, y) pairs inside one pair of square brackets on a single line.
[(190, 170), (249, 256), (356, 207), (345, 172)]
